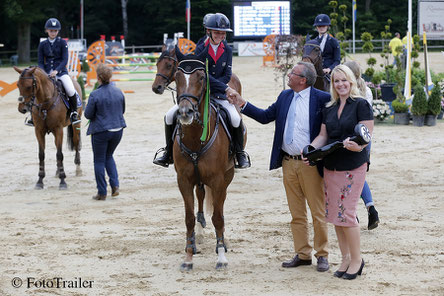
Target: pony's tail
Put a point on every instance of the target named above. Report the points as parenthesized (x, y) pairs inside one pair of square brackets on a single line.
[(70, 138)]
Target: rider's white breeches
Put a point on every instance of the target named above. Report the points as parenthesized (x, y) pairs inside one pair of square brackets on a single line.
[(67, 84), (169, 117), (234, 115)]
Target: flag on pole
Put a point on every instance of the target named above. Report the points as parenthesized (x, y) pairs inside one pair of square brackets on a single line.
[(428, 77), (354, 10), (188, 11), (408, 69)]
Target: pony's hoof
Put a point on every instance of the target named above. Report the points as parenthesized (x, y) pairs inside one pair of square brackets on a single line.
[(186, 266), (63, 186), (221, 265), (38, 186)]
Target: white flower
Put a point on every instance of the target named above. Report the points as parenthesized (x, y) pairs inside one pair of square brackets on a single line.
[(381, 110)]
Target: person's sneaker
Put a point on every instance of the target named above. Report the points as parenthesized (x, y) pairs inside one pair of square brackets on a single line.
[(322, 264), (75, 118), (373, 218)]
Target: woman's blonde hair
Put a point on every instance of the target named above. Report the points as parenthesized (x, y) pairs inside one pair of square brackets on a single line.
[(104, 73), (356, 69), (350, 77)]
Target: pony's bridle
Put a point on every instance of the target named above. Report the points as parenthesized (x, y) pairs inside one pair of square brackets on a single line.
[(165, 55), (22, 99), (314, 62), (189, 67), (31, 103)]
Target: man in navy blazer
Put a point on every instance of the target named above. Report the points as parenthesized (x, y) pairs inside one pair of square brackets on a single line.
[(298, 116)]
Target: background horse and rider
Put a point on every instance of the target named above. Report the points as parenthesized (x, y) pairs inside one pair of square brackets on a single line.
[(43, 97)]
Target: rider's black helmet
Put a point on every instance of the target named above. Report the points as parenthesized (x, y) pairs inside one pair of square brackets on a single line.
[(218, 22), (206, 17), (322, 20), (53, 24)]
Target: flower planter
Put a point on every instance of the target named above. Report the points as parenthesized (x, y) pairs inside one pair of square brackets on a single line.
[(440, 115), (387, 92), (430, 120), (401, 118), (418, 120)]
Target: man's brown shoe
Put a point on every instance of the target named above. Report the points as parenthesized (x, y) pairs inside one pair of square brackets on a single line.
[(99, 197), (295, 262), (115, 191)]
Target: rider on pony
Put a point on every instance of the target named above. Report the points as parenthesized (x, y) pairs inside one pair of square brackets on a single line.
[(52, 58), (331, 52), (219, 65)]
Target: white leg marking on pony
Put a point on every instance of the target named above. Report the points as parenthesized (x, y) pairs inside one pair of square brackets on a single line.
[(222, 261)]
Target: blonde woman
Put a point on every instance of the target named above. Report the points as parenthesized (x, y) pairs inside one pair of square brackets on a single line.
[(366, 195), (344, 169)]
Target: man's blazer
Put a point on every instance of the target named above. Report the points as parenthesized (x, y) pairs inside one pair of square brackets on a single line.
[(278, 112)]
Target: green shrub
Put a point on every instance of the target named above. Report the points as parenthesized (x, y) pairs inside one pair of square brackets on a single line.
[(82, 87), (419, 102), (434, 104), (399, 107)]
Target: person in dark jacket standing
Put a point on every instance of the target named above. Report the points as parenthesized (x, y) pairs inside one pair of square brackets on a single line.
[(331, 52), (105, 109), (52, 58)]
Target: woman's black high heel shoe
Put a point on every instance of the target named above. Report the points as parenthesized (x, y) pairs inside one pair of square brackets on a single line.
[(339, 274), (348, 276)]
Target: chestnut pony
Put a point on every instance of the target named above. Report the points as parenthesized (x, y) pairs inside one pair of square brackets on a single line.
[(202, 161), (166, 72), (39, 94), (312, 54)]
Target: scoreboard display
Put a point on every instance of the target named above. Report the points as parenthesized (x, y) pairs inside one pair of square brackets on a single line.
[(254, 19)]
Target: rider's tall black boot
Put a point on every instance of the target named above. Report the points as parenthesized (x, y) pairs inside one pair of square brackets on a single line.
[(242, 157), (73, 105), (166, 158)]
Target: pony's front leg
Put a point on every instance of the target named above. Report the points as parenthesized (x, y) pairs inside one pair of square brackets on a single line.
[(41, 140), (190, 220), (218, 222), (58, 134), (200, 194)]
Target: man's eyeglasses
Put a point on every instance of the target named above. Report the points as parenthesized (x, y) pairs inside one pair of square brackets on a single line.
[(302, 76)]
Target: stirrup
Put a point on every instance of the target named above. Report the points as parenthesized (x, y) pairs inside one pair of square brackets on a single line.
[(29, 122), (163, 159), (245, 155), (74, 118)]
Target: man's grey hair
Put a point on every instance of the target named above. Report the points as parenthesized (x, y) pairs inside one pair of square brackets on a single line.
[(309, 72)]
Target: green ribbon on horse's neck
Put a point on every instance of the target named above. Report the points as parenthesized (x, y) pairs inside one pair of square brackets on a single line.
[(205, 131)]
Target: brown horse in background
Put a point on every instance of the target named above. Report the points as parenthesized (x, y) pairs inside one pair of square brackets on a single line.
[(206, 166), (39, 94), (312, 54), (166, 72)]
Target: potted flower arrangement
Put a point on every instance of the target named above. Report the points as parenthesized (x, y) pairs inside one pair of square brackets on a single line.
[(401, 115), (433, 107), (381, 110), (419, 106)]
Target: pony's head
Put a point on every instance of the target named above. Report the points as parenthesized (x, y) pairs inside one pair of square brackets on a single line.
[(312, 52), (166, 68), (191, 85), (28, 87)]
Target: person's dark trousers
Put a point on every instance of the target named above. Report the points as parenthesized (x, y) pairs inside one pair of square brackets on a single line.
[(104, 144)]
